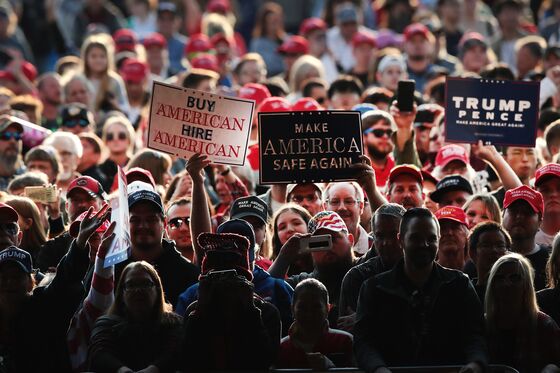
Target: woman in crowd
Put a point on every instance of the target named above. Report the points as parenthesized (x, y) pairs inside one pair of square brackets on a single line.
[(158, 163), (179, 187), (118, 136), (139, 331), (268, 34), (30, 223), (305, 67), (311, 343), (482, 207), (549, 299), (518, 333), (289, 220), (97, 52)]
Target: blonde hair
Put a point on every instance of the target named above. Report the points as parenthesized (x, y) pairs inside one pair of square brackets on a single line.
[(125, 123), (301, 68), (105, 43), (215, 23), (489, 202), (552, 265)]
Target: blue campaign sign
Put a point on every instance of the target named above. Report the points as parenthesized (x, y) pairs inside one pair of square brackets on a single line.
[(495, 111)]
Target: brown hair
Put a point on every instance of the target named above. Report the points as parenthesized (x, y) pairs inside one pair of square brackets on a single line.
[(34, 237), (156, 162), (290, 207), (260, 23)]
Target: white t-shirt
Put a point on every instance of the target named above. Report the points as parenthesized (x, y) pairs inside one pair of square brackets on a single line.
[(544, 239)]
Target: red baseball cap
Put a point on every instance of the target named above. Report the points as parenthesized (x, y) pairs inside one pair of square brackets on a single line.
[(312, 24), (531, 196), (205, 61), (254, 91), (218, 6), (220, 38), (472, 37), (125, 40), (75, 226), (198, 43), (307, 104), (133, 70), (27, 69), (551, 169), (139, 174), (450, 153), (155, 39), (452, 213), (361, 37), (88, 185), (295, 44), (8, 213), (406, 169), (416, 29), (274, 105)]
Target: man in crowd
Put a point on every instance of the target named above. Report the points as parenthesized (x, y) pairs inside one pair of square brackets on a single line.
[(50, 94), (418, 46), (547, 182), (83, 193), (307, 195), (168, 26), (405, 186), (523, 162), (452, 190), (523, 211), (453, 243), (11, 163), (76, 118), (178, 227), (408, 315)]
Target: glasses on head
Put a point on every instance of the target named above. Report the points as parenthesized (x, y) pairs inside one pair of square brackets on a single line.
[(176, 223), (76, 122), (121, 136), (139, 286), (347, 202), (379, 133), (7, 136), (9, 228)]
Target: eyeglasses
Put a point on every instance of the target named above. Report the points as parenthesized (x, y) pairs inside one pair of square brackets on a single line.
[(120, 136), (9, 228), (378, 132), (176, 223), (138, 286), (77, 122), (347, 202), (7, 136)]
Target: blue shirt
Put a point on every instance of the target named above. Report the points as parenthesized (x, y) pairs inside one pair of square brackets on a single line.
[(176, 47)]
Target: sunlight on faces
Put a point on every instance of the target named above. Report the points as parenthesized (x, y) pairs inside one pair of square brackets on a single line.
[(477, 213), (288, 224)]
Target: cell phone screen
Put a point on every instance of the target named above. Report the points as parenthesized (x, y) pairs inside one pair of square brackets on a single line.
[(405, 95)]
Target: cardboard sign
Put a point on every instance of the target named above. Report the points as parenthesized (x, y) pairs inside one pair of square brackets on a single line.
[(119, 250), (496, 112), (185, 121), (309, 146)]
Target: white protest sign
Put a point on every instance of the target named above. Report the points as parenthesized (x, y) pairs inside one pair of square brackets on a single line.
[(119, 214), (185, 121)]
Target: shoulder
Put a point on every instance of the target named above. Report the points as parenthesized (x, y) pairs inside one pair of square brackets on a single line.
[(339, 335)]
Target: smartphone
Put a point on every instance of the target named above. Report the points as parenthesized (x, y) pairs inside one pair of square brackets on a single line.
[(316, 243), (425, 116), (225, 274), (41, 194), (405, 95)]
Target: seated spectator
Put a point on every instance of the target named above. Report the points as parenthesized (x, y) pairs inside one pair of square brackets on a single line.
[(139, 331), (488, 242), (480, 208), (549, 298), (408, 315), (518, 333), (228, 314), (287, 221), (311, 343)]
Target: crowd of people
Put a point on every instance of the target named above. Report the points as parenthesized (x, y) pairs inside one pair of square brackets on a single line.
[(439, 254)]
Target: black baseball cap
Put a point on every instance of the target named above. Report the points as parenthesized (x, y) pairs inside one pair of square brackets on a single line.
[(18, 256), (141, 191), (450, 184), (76, 114), (249, 206)]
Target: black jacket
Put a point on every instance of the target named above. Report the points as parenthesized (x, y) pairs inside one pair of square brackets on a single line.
[(549, 303), (53, 250), (38, 336), (176, 273), (397, 325)]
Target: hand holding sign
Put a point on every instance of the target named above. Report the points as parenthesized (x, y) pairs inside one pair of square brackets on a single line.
[(195, 167), (365, 174), (90, 223), (484, 152)]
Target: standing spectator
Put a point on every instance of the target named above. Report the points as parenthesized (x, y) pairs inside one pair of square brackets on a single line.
[(178, 228), (473, 52), (508, 13), (523, 162), (11, 163), (344, 93), (291, 50), (50, 94), (76, 118), (314, 30), (452, 190), (11, 36), (143, 18), (135, 75), (91, 158), (418, 46), (529, 52), (157, 56), (139, 331), (77, 88), (250, 68), (268, 35), (549, 298), (96, 12), (339, 38), (307, 195), (547, 182), (453, 249), (70, 151), (363, 49), (404, 186), (311, 343), (118, 135), (480, 208), (390, 70), (417, 324), (44, 159), (518, 333), (34, 233), (168, 26), (523, 211)]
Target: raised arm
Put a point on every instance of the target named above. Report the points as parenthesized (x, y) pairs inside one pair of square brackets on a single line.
[(200, 214), (365, 175), (490, 155), (405, 146)]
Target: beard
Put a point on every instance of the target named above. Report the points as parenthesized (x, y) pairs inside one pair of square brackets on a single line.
[(9, 160), (376, 153)]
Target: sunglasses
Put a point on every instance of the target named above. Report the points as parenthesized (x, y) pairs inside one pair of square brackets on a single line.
[(377, 132), (321, 100), (120, 136), (176, 223), (7, 136), (76, 122)]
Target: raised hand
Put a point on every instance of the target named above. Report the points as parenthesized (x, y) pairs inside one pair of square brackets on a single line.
[(195, 167), (90, 223)]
